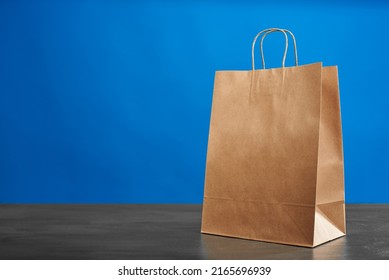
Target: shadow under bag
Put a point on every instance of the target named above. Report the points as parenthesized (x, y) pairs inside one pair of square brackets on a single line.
[(274, 168)]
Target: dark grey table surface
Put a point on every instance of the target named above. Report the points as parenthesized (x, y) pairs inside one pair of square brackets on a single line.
[(119, 231)]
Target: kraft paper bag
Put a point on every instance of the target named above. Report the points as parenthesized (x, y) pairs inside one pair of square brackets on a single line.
[(274, 169)]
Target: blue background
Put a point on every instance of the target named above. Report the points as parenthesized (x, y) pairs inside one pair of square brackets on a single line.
[(109, 101)]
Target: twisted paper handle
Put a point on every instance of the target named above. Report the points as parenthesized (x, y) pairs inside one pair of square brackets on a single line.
[(266, 32)]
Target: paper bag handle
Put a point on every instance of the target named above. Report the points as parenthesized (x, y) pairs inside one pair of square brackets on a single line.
[(268, 31), (294, 47)]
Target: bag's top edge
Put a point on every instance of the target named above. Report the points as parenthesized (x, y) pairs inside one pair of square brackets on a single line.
[(269, 69)]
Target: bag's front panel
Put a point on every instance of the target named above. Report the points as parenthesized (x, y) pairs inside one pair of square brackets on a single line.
[(262, 154)]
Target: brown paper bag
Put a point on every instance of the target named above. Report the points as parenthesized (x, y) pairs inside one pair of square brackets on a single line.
[(274, 168)]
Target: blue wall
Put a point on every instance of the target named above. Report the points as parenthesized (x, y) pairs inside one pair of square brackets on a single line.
[(109, 101)]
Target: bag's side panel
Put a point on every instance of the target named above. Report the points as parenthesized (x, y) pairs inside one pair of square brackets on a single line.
[(262, 155), (330, 210)]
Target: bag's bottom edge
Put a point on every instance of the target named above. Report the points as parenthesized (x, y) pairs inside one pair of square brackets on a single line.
[(310, 246)]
